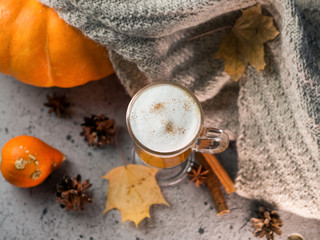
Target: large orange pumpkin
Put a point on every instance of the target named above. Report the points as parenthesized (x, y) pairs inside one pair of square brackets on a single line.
[(39, 48)]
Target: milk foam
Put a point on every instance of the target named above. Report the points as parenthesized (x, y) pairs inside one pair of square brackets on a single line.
[(165, 118)]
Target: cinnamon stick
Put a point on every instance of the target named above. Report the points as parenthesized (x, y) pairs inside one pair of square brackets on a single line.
[(214, 188), (213, 163)]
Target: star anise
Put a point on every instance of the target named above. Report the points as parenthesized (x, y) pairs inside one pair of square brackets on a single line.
[(198, 175), (72, 194), (267, 223), (57, 104), (98, 130)]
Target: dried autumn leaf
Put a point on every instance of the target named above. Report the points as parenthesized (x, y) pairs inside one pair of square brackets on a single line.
[(244, 44), (132, 190)]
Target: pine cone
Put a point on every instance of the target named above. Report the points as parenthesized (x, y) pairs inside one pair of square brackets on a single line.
[(72, 194), (57, 104), (98, 130), (267, 223)]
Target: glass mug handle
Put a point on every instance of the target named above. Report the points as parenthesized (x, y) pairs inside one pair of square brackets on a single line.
[(212, 140)]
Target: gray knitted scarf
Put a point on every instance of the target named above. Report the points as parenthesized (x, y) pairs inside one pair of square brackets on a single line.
[(274, 114)]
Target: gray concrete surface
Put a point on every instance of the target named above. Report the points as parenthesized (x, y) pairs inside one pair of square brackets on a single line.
[(34, 214)]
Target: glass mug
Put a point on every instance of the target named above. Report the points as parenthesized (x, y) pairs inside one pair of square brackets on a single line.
[(165, 121)]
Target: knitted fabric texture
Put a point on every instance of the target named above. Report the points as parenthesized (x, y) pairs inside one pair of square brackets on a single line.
[(274, 114)]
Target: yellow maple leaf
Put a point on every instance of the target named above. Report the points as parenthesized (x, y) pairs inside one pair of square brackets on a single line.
[(132, 190), (244, 44)]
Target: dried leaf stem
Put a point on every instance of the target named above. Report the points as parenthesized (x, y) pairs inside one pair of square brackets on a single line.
[(119, 150), (210, 32)]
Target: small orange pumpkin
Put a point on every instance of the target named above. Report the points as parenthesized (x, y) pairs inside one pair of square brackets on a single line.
[(27, 161), (39, 48)]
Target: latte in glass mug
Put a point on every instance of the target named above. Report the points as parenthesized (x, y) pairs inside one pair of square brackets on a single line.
[(165, 121)]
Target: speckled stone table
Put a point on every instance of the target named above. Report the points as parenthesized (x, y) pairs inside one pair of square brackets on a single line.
[(34, 214)]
